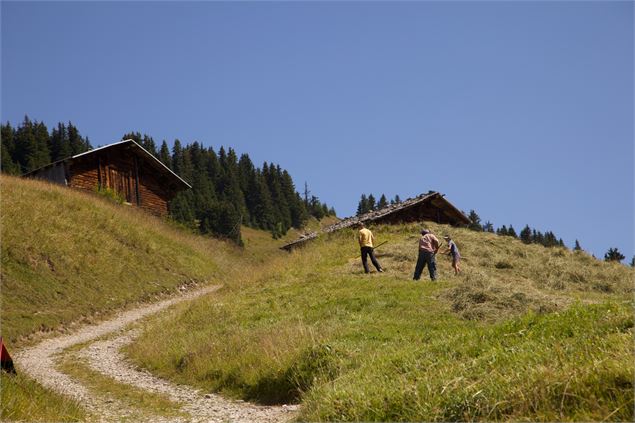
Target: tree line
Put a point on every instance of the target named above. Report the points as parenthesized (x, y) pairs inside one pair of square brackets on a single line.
[(30, 146), (369, 203), (227, 191), (530, 235)]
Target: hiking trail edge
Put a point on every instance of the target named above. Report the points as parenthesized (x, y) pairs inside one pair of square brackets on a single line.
[(40, 363)]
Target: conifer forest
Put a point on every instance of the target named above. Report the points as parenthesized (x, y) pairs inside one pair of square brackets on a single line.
[(227, 190)]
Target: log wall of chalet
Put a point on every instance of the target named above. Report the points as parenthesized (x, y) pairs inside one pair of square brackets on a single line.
[(124, 174), (84, 176), (124, 167), (153, 196)]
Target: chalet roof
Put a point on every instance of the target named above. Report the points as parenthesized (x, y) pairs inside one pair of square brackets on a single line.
[(392, 211), (131, 144)]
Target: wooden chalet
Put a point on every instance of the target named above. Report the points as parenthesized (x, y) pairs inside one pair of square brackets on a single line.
[(431, 207), (124, 167)]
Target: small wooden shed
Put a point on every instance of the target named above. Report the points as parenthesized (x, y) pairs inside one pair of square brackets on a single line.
[(124, 167), (431, 207)]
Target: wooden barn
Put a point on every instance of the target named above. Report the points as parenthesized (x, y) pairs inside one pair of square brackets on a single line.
[(432, 207), (124, 167)]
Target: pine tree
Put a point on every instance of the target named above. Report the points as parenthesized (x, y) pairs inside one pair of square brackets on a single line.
[(7, 165), (488, 227), (475, 221), (372, 205), (512, 232), (362, 206), (316, 208), (526, 235), (550, 239), (296, 206), (263, 207), (577, 246), (306, 195), (59, 143), (148, 143), (537, 237), (164, 154), (502, 231), (633, 262), (383, 202), (397, 200), (613, 254), (181, 206), (77, 143)]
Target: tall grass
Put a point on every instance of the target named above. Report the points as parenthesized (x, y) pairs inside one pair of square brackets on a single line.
[(22, 399), (68, 256), (549, 336)]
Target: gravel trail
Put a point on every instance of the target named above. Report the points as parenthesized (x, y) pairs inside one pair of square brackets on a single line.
[(39, 362)]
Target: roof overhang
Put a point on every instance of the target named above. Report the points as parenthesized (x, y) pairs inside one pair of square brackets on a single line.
[(132, 145)]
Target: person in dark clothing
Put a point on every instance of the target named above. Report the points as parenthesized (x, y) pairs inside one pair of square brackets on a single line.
[(428, 247)]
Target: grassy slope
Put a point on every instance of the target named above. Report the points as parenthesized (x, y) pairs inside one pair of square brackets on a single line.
[(69, 257), (526, 333)]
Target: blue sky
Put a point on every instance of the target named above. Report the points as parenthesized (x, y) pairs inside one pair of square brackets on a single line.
[(522, 111)]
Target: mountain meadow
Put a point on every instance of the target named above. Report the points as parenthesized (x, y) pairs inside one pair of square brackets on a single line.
[(524, 333)]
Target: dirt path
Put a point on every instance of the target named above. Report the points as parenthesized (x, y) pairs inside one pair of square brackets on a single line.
[(39, 362)]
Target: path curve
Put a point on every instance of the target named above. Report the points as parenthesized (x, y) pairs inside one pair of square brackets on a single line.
[(38, 362)]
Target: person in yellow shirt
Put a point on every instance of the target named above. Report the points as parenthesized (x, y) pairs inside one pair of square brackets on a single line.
[(366, 241)]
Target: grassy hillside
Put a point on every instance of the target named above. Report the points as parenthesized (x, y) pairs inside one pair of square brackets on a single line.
[(68, 256), (525, 333)]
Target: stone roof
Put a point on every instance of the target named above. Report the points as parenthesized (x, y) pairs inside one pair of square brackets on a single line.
[(407, 210)]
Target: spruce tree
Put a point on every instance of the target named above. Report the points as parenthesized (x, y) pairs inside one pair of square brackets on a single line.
[(475, 221), (613, 254), (362, 206), (7, 165), (148, 143), (383, 202), (502, 231), (59, 144), (306, 195), (25, 147), (526, 235), (488, 227), (164, 155), (78, 144), (316, 208), (296, 206), (512, 232), (371, 203), (577, 246)]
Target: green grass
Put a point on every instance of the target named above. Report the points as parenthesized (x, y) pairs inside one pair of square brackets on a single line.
[(525, 333), (22, 399), (549, 336), (143, 404), (70, 257)]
